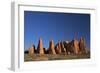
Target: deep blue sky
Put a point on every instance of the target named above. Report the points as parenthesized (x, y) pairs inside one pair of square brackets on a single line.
[(56, 26)]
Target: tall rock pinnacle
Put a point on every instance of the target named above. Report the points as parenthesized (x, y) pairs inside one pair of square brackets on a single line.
[(40, 47), (76, 46), (51, 47), (82, 45)]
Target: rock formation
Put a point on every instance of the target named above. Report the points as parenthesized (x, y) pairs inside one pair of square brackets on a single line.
[(82, 45), (31, 50), (40, 49), (51, 48), (63, 47), (58, 48), (76, 46), (69, 47), (63, 50)]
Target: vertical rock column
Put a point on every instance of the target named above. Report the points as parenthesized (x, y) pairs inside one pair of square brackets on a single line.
[(82, 45), (76, 47), (51, 47), (40, 47)]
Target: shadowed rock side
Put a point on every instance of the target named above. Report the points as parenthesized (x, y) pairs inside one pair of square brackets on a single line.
[(58, 48), (63, 49)]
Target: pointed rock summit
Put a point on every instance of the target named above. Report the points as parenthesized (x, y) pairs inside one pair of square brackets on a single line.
[(62, 47), (51, 47), (40, 49)]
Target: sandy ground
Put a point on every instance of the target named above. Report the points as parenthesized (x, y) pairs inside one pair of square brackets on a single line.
[(37, 57)]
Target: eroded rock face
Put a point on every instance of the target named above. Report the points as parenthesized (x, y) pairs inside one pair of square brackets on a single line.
[(68, 45), (51, 47), (58, 48), (31, 50), (82, 45), (40, 49), (76, 46), (63, 50)]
